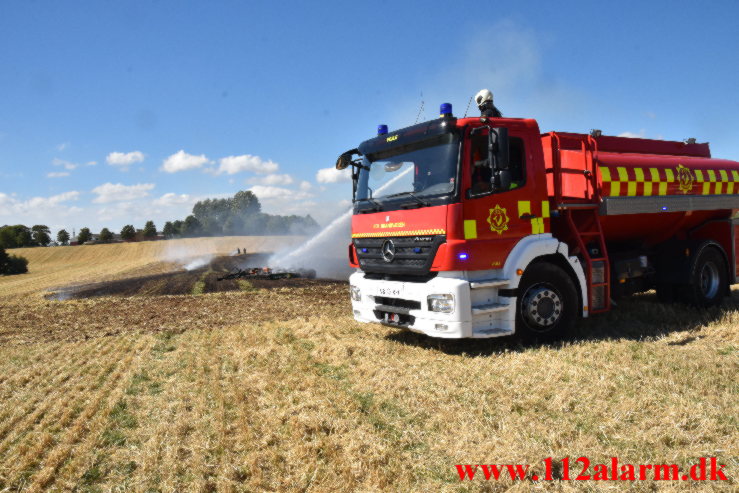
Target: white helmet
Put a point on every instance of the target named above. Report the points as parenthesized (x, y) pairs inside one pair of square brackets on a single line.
[(483, 96)]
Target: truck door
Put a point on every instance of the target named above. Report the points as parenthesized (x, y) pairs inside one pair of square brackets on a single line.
[(495, 219)]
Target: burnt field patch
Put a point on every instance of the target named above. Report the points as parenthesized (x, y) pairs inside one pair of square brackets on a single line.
[(201, 280)]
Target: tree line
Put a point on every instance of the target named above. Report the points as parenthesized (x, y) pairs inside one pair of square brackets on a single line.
[(238, 215)]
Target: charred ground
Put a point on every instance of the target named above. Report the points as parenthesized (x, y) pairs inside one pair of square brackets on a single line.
[(202, 280)]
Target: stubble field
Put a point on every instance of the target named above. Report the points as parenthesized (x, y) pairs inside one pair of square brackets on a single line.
[(276, 388)]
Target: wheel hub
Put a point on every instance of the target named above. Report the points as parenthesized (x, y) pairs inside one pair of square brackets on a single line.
[(709, 280), (541, 307)]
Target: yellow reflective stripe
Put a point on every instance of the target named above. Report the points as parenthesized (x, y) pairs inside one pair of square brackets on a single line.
[(537, 226), (470, 229), (524, 207), (545, 209), (663, 188), (639, 174), (670, 175), (698, 175), (655, 174), (719, 188), (400, 233), (706, 188), (615, 188), (632, 189), (605, 173), (648, 188), (730, 187), (735, 174), (622, 174), (724, 175), (711, 175)]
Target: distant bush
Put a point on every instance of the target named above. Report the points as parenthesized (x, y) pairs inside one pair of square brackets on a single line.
[(11, 264)]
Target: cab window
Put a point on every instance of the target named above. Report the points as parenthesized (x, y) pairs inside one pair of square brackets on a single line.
[(482, 172)]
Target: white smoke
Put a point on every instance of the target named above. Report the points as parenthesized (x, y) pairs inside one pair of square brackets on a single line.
[(198, 262), (190, 257), (328, 251)]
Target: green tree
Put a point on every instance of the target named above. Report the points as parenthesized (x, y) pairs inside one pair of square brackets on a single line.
[(41, 234), (150, 231), (105, 236), (179, 227), (62, 237), (245, 203), (84, 236), (191, 227), (169, 230), (11, 264), (128, 232)]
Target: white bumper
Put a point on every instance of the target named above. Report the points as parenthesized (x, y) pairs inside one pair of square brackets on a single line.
[(412, 298)]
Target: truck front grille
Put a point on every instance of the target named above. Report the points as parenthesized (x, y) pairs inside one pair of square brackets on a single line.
[(413, 255)]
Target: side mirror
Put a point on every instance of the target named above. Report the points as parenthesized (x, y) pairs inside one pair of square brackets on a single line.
[(498, 148), (345, 159), (502, 180)]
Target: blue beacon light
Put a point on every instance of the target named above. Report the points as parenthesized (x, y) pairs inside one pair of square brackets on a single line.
[(445, 110), (463, 256), (381, 129)]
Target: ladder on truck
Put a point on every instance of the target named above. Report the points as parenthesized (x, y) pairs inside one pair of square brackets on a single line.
[(582, 221)]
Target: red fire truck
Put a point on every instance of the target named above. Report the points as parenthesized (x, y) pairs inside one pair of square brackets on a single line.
[(483, 227)]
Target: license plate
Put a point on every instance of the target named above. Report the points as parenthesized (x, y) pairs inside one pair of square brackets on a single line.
[(389, 291)]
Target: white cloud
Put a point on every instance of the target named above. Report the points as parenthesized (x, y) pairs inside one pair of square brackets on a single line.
[(57, 174), (172, 199), (124, 160), (305, 186), (109, 192), (62, 146), (9, 205), (246, 162), (61, 162), (268, 193), (181, 161), (273, 179), (91, 163), (333, 175)]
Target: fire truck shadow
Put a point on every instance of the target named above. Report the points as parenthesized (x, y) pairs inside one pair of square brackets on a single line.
[(640, 317)]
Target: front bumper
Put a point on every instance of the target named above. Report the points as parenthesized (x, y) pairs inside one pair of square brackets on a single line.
[(380, 299)]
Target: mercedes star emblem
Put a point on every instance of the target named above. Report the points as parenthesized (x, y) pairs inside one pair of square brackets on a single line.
[(388, 250)]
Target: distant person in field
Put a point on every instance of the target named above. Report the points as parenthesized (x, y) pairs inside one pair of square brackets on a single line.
[(484, 100), (238, 251)]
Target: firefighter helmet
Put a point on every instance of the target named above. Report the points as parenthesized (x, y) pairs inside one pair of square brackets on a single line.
[(483, 96)]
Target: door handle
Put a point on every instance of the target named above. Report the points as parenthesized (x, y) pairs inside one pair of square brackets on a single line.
[(528, 216)]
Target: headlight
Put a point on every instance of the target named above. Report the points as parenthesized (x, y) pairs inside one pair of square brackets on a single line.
[(356, 293), (443, 303)]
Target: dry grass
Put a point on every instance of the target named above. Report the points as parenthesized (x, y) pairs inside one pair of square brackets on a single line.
[(60, 266), (282, 391)]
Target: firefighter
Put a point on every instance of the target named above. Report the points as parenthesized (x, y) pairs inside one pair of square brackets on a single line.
[(484, 100)]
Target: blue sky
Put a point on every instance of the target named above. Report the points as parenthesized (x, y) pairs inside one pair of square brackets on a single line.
[(118, 112)]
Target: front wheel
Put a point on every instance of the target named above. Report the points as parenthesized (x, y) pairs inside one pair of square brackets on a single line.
[(546, 309)]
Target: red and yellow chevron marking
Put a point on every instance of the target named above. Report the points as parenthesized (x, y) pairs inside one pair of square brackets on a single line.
[(623, 181), (417, 232)]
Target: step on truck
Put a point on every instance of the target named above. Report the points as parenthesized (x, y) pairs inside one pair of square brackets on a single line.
[(483, 227)]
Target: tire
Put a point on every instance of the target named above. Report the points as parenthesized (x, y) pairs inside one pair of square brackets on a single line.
[(546, 308), (709, 280)]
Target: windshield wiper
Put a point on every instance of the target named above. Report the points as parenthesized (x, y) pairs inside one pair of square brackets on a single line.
[(375, 205), (415, 197)]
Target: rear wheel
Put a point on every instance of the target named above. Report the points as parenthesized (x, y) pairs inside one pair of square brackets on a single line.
[(546, 309), (708, 279)]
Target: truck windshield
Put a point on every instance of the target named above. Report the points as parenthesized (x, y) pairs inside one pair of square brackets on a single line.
[(426, 169)]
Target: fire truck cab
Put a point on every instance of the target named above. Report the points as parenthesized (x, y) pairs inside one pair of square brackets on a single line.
[(483, 227)]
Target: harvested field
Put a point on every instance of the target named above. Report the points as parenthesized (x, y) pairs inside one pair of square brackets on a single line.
[(278, 389)]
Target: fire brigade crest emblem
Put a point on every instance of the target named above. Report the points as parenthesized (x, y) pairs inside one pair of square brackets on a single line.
[(498, 219), (685, 179)]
